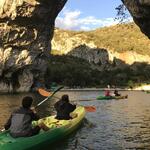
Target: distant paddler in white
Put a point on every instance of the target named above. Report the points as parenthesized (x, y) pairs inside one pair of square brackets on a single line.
[(107, 91)]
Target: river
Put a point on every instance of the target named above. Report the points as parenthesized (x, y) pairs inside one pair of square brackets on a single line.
[(116, 124)]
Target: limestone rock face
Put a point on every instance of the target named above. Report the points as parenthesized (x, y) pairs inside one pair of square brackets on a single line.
[(78, 44), (140, 11), (64, 42), (107, 59), (26, 30)]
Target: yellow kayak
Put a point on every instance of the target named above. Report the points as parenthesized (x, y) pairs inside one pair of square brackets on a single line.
[(58, 130)]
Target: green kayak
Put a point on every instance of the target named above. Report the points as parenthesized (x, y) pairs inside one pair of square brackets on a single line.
[(111, 97), (148, 92), (58, 130)]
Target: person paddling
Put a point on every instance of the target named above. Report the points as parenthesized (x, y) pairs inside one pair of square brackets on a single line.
[(116, 93), (64, 108), (107, 91), (20, 121)]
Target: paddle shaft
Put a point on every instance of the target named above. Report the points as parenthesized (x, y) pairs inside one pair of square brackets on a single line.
[(43, 101), (49, 97), (46, 93)]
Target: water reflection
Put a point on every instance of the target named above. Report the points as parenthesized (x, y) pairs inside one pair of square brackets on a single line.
[(116, 124)]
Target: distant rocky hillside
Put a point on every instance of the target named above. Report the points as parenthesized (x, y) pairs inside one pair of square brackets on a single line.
[(122, 42)]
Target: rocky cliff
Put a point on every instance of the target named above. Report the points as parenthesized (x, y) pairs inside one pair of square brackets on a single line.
[(107, 59), (26, 30), (140, 10), (119, 45)]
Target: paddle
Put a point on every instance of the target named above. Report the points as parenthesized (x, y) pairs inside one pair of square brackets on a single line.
[(90, 108), (46, 93), (49, 96)]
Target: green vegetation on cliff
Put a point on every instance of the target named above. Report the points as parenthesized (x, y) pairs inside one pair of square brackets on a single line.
[(76, 72), (73, 72), (120, 38)]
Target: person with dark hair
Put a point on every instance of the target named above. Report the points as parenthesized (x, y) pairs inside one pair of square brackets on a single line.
[(116, 93), (64, 108), (20, 121)]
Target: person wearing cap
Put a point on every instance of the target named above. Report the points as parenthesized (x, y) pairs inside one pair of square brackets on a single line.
[(64, 108), (20, 121)]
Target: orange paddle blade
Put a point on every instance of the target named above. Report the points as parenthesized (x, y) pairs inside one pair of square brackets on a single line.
[(90, 108), (44, 93)]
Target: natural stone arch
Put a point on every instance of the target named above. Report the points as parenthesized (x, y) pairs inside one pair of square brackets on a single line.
[(140, 11), (26, 29)]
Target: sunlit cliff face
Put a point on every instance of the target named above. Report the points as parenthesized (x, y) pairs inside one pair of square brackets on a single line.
[(140, 11), (26, 29)]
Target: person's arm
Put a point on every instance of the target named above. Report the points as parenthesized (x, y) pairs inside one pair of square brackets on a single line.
[(72, 107), (58, 105), (8, 123), (34, 115)]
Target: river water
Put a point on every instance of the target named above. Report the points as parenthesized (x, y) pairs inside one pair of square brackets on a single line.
[(116, 124)]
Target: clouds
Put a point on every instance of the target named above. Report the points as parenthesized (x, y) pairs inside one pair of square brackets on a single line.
[(72, 20)]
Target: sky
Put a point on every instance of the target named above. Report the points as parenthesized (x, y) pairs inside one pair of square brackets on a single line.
[(88, 14)]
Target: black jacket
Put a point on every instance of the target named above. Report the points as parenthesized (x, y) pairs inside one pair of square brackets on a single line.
[(64, 109), (20, 122), (116, 93)]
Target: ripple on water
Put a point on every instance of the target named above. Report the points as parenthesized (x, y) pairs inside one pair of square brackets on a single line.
[(116, 125)]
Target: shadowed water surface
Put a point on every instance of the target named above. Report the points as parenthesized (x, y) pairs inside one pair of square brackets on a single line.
[(116, 124)]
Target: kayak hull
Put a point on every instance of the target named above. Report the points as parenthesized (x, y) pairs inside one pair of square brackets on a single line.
[(148, 92), (111, 97), (58, 130)]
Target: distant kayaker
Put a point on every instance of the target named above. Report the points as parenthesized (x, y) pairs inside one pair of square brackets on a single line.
[(20, 121), (116, 93), (64, 108), (107, 91)]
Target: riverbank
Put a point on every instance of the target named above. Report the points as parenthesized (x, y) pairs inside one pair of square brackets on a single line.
[(143, 87), (100, 89)]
